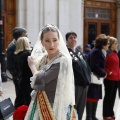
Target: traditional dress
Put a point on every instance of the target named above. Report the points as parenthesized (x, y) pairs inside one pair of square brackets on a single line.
[(41, 100), (53, 97)]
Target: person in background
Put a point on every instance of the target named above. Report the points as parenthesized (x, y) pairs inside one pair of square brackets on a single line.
[(81, 73), (96, 60), (79, 48), (23, 50), (11, 58), (112, 80), (52, 80), (87, 50)]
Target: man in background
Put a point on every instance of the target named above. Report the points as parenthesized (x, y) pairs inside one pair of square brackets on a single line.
[(87, 50), (11, 58)]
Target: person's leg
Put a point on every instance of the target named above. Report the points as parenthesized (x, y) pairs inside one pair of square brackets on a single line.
[(89, 106), (80, 99), (17, 91), (15, 81), (94, 108), (119, 88), (108, 88), (27, 96), (19, 98), (113, 96)]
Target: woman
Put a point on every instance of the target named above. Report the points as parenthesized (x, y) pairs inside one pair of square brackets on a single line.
[(112, 80), (96, 60), (53, 81), (23, 50)]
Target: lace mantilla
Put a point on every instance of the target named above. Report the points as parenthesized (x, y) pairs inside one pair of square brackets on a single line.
[(64, 95)]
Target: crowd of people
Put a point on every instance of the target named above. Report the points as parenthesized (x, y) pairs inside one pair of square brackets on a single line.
[(57, 81)]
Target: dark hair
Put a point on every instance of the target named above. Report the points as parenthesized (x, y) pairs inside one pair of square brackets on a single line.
[(88, 46), (48, 29), (70, 33), (101, 40), (18, 32)]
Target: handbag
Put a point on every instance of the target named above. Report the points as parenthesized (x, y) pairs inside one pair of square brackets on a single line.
[(96, 80), (6, 109)]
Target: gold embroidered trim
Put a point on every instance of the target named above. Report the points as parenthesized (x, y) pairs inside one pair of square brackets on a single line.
[(45, 109)]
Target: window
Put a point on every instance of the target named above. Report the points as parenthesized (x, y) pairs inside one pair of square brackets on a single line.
[(97, 13)]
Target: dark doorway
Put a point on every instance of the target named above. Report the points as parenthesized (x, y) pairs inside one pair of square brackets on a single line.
[(105, 28), (92, 32)]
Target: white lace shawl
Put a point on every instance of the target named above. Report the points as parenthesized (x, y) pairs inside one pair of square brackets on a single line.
[(64, 95), (65, 91)]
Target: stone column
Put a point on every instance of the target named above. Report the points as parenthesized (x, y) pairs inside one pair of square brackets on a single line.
[(82, 22), (118, 22), (33, 19), (71, 18), (28, 16), (21, 13), (64, 18), (50, 12)]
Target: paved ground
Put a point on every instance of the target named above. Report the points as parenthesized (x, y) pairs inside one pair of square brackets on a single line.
[(8, 91)]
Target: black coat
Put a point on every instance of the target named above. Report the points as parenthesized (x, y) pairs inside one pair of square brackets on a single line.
[(11, 59), (23, 68), (96, 61), (80, 68)]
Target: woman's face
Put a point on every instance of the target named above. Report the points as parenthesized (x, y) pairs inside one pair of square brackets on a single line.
[(72, 40), (114, 46), (50, 42)]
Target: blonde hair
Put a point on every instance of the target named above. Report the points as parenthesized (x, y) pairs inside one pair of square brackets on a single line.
[(22, 44), (112, 40)]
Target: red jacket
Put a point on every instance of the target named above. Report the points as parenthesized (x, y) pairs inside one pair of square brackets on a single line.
[(112, 65)]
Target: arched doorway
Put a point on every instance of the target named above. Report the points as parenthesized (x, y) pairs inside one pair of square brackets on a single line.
[(9, 20), (100, 17)]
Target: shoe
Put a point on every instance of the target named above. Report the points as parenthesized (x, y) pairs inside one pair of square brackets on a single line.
[(108, 118)]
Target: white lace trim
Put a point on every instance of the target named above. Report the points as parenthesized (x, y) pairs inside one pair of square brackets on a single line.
[(65, 90)]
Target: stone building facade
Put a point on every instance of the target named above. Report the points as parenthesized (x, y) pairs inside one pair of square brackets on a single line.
[(67, 15)]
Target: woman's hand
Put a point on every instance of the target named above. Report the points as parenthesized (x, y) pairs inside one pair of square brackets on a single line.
[(110, 73), (30, 61), (105, 76), (31, 64)]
